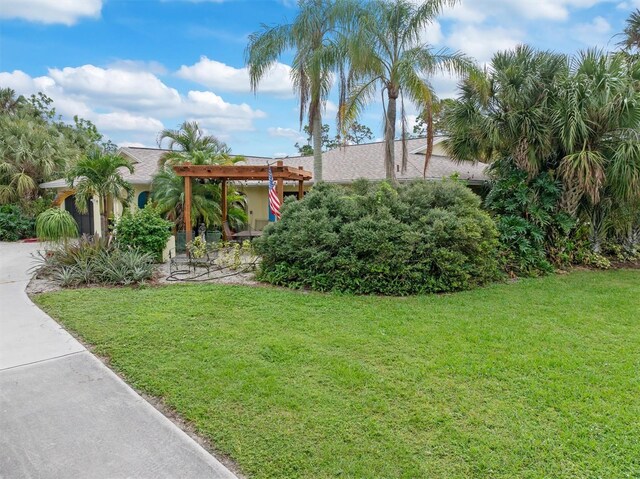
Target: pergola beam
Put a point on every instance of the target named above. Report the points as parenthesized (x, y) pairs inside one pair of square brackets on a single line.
[(242, 172)]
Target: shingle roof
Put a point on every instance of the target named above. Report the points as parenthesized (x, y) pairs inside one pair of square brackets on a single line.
[(341, 165), (352, 162)]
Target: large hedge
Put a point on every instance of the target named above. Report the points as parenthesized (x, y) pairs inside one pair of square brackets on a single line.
[(423, 237)]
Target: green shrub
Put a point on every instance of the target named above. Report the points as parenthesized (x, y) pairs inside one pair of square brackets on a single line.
[(534, 235), (14, 224), (94, 261), (145, 230), (424, 237), (55, 224)]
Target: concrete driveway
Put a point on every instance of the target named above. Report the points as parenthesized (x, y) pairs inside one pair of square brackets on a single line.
[(63, 414)]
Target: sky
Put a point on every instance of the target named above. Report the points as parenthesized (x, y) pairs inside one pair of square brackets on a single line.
[(134, 67)]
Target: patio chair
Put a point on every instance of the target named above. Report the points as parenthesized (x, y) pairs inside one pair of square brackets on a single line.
[(228, 232)]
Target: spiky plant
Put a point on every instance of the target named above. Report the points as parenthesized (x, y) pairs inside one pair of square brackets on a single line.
[(56, 225)]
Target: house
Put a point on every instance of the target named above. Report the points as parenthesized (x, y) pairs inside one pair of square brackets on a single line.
[(342, 166)]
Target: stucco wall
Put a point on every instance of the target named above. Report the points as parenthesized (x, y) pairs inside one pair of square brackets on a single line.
[(258, 202)]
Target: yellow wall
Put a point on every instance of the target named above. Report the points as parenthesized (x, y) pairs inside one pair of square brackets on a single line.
[(439, 150), (258, 202)]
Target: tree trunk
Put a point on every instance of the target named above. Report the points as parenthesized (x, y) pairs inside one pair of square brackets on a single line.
[(317, 146), (105, 217), (429, 152), (390, 137)]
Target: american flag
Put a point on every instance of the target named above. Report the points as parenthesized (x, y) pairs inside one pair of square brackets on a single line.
[(274, 201)]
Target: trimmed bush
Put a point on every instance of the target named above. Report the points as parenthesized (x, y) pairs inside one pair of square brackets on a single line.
[(14, 224), (145, 230), (424, 237)]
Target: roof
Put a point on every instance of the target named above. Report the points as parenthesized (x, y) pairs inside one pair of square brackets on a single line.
[(341, 165), (351, 162)]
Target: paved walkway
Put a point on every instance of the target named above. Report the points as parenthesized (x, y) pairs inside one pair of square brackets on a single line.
[(63, 414)]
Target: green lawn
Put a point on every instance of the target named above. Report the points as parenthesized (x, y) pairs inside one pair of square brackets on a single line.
[(528, 380)]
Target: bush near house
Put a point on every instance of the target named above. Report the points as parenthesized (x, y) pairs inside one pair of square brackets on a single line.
[(15, 224), (144, 230), (424, 237)]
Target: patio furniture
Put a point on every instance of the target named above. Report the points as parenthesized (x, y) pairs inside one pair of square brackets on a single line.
[(246, 235)]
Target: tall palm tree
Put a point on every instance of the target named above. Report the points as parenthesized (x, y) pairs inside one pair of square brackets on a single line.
[(387, 54), (314, 37), (100, 174)]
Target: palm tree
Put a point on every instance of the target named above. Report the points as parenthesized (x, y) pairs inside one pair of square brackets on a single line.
[(386, 53), (9, 103), (190, 140), (631, 41), (31, 152), (577, 119), (505, 111), (100, 174), (314, 37), (189, 144), (597, 117)]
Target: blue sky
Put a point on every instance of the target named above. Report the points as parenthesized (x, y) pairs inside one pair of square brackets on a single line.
[(136, 66)]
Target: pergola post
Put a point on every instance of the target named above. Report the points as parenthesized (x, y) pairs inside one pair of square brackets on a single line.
[(223, 209), (300, 187), (187, 208)]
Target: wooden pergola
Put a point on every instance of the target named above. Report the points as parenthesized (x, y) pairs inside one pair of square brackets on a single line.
[(228, 173)]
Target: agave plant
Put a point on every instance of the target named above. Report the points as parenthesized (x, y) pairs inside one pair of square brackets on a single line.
[(56, 225)]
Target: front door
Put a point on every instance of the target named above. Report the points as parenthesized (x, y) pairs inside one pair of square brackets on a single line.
[(85, 221)]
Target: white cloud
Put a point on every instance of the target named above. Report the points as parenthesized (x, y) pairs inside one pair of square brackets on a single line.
[(132, 143), (154, 67), (115, 87), (280, 132), (432, 34), (628, 5), (130, 103), (208, 104), (218, 75), (330, 108), (477, 11), (125, 121), (67, 12), (598, 31), (480, 42)]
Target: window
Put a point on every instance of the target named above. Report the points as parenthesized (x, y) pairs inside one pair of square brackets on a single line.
[(143, 199)]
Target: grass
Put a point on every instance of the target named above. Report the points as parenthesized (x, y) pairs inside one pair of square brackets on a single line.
[(529, 380)]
